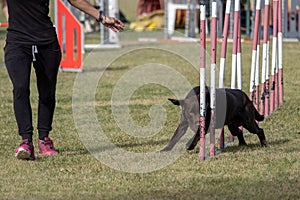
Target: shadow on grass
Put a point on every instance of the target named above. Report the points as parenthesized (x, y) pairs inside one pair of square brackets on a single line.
[(253, 146), (143, 143), (133, 146), (102, 68)]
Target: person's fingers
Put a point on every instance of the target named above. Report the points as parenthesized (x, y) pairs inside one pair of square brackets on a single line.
[(114, 24)]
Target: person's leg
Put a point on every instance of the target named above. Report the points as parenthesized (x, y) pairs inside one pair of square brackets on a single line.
[(18, 63), (46, 67)]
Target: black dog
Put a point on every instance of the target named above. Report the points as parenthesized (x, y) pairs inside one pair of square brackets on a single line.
[(233, 104)]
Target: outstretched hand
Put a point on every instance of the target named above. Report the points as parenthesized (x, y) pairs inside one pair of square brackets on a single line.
[(113, 23)]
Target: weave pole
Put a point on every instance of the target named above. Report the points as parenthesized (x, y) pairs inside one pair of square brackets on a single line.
[(274, 82), (280, 70), (202, 105), (265, 58), (235, 45), (213, 76), (252, 94), (239, 58), (267, 94), (257, 81), (223, 59)]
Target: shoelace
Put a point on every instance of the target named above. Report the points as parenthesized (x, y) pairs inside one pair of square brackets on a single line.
[(48, 143)]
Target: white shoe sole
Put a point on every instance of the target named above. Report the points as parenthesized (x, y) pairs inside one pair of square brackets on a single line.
[(22, 154)]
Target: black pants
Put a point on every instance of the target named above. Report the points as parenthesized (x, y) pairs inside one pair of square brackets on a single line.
[(45, 59)]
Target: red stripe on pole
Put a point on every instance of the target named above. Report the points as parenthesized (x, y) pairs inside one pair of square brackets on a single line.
[(225, 36)]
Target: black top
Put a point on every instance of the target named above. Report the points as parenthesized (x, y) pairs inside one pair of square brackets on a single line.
[(29, 22)]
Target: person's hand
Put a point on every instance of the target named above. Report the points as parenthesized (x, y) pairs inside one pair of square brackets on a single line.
[(113, 23)]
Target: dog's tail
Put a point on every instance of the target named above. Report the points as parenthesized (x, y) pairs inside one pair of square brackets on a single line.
[(258, 116)]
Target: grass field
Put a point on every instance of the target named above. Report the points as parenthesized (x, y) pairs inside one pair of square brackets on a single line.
[(248, 172)]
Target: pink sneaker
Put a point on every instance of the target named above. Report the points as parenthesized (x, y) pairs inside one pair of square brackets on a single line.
[(25, 151), (46, 147)]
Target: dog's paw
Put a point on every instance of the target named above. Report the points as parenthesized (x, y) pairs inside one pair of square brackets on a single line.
[(264, 143), (166, 149), (243, 144), (190, 147)]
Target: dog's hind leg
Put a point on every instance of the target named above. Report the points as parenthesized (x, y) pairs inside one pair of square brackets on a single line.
[(253, 127), (235, 131)]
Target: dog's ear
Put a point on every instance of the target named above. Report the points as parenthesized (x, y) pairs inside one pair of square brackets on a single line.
[(176, 102)]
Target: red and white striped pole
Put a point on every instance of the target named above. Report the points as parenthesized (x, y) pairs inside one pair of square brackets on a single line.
[(236, 35), (265, 58), (280, 72), (239, 59), (213, 76), (254, 53), (236, 20), (202, 105), (274, 57), (257, 70), (267, 94), (223, 59)]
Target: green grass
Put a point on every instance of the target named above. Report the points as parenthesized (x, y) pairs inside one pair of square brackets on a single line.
[(248, 172)]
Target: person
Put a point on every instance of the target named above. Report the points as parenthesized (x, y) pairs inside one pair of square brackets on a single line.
[(31, 39)]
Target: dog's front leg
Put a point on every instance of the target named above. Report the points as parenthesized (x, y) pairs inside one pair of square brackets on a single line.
[(180, 131), (193, 141)]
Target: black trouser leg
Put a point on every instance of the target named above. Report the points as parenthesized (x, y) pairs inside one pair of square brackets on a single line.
[(18, 63), (46, 69)]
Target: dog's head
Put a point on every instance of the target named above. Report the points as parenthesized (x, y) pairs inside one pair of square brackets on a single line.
[(190, 110)]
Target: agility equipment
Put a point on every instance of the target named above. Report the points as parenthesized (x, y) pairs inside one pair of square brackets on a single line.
[(265, 62), (253, 80), (202, 79), (280, 38), (213, 76), (71, 35), (108, 38), (223, 59), (266, 103), (274, 67)]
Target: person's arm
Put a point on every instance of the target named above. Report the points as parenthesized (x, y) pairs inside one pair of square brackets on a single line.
[(110, 22)]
